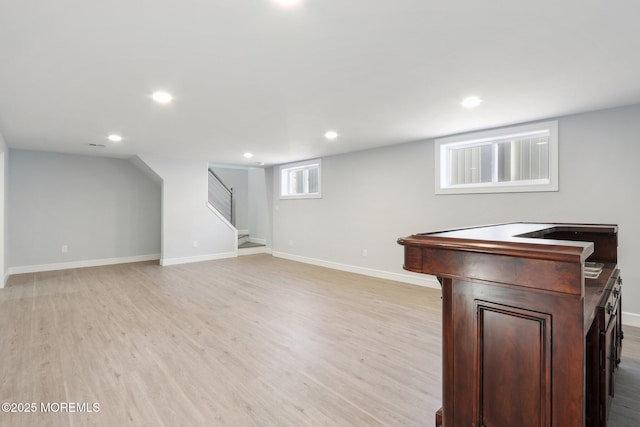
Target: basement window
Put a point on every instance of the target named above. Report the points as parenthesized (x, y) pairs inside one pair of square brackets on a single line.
[(515, 159), (301, 180)]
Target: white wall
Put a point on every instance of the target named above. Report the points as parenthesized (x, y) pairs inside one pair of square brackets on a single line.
[(371, 198), (185, 216), (4, 172), (261, 205), (103, 209), (238, 180)]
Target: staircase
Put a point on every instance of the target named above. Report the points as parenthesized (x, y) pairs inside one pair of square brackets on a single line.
[(221, 198), (247, 247)]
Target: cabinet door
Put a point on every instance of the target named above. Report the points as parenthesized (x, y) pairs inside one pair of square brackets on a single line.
[(609, 349), (592, 375), (512, 366), (619, 334)]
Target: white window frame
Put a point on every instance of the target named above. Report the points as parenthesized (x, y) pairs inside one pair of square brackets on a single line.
[(443, 146), (283, 172)]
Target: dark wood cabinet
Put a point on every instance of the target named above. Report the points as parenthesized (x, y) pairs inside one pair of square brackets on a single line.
[(605, 338), (532, 337)]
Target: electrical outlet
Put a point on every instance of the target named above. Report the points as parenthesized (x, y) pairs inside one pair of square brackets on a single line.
[(195, 243), (364, 252), (290, 242), (64, 249)]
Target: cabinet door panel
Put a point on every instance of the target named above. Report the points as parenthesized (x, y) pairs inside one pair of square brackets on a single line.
[(512, 359)]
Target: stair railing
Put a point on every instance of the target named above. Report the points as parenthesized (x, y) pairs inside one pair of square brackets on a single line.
[(221, 197)]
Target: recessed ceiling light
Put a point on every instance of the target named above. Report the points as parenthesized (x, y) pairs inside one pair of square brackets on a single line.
[(471, 102), (287, 3), (162, 97), (248, 155), (331, 135), (114, 137)]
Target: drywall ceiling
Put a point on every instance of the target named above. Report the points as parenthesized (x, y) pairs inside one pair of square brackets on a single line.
[(249, 75)]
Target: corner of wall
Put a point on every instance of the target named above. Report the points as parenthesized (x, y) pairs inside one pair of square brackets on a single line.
[(146, 169), (191, 232), (4, 187)]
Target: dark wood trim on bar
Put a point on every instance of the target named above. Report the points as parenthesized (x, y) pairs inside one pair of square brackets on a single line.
[(521, 323), (525, 240)]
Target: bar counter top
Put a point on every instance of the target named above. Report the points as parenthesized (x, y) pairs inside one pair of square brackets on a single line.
[(522, 239)]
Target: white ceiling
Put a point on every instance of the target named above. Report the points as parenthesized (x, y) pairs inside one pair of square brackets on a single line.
[(249, 75)]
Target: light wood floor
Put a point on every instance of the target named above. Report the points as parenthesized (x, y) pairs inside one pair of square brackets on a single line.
[(250, 341)]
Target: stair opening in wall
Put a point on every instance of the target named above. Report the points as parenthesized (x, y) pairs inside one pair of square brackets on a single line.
[(221, 197), (228, 189)]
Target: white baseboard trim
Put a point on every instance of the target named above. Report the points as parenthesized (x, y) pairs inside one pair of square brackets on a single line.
[(631, 319), (427, 281), (81, 264), (199, 258), (4, 281)]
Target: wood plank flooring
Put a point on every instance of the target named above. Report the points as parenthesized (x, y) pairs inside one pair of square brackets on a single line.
[(250, 341)]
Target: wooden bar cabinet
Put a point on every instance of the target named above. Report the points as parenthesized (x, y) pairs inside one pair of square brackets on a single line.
[(531, 322)]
